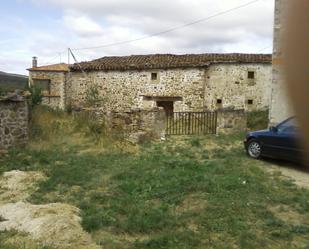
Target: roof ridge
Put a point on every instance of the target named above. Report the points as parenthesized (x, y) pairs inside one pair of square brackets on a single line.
[(163, 61)]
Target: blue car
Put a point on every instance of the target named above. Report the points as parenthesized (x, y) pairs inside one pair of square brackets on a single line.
[(281, 141)]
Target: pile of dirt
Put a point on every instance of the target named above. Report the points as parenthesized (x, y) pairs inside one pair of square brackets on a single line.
[(55, 224), (18, 185)]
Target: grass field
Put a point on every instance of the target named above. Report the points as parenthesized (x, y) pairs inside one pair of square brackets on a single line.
[(186, 192)]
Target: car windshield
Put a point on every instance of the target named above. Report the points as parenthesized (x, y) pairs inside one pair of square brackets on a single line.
[(288, 126)]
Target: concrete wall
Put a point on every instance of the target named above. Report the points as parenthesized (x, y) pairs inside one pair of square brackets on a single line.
[(56, 97), (194, 89), (280, 108), (13, 123), (230, 83)]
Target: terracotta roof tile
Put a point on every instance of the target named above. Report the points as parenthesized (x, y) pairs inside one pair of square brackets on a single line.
[(61, 67), (164, 61)]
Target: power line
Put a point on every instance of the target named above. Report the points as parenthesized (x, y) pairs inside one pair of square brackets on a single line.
[(172, 29), (56, 57), (261, 50)]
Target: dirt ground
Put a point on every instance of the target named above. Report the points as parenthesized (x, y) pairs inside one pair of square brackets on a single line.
[(297, 173), (55, 224)]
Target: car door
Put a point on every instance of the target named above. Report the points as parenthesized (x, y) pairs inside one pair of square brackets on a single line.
[(269, 141), (287, 144), (284, 141)]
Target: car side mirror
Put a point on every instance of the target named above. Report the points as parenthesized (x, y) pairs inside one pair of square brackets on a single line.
[(273, 129)]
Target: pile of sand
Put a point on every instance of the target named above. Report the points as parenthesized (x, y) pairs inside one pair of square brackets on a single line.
[(54, 224), (18, 185)]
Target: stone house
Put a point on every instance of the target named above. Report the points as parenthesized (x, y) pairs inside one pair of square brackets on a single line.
[(193, 82), (52, 80)]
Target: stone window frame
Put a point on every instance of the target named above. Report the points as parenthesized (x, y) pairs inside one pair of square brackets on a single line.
[(152, 79), (250, 102), (219, 102), (45, 92), (251, 80), (251, 74)]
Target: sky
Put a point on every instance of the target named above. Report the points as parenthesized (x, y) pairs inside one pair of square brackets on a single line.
[(46, 28)]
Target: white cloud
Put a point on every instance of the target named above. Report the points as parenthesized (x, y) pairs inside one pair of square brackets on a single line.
[(82, 25), (92, 23)]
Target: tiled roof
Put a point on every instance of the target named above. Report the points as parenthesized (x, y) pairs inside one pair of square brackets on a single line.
[(164, 61), (61, 67)]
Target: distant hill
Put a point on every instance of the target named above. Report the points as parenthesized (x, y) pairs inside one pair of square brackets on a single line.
[(11, 82)]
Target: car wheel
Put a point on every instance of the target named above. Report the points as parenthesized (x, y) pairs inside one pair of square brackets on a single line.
[(254, 149)]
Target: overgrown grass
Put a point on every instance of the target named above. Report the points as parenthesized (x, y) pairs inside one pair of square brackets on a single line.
[(258, 120), (184, 193), (15, 240), (54, 127)]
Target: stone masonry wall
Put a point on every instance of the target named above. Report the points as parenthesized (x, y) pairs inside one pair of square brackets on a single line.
[(56, 97), (13, 124), (123, 91), (230, 121), (231, 85), (192, 89), (137, 126)]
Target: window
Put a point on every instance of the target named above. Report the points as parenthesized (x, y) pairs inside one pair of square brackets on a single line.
[(43, 84), (154, 76), (288, 126), (219, 101), (251, 74), (250, 102)]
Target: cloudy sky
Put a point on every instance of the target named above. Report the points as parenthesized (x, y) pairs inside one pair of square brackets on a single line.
[(46, 28)]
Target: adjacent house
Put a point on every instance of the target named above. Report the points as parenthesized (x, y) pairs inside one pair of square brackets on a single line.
[(52, 80), (191, 82)]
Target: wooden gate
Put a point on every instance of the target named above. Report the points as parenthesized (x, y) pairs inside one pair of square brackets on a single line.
[(191, 123)]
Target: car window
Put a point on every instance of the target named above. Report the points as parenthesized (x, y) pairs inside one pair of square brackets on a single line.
[(289, 126)]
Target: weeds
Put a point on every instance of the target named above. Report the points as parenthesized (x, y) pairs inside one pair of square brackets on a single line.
[(195, 142), (258, 120), (15, 240), (139, 198), (36, 96)]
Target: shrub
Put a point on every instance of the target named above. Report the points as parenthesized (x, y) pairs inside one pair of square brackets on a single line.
[(93, 98), (36, 95)]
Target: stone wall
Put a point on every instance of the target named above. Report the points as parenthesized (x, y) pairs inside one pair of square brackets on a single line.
[(136, 126), (231, 85), (280, 107), (56, 97), (123, 91), (194, 89), (231, 121), (13, 123)]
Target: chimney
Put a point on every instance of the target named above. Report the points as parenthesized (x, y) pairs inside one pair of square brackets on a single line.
[(34, 62)]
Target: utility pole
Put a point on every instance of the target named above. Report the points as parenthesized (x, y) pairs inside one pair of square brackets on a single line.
[(68, 56)]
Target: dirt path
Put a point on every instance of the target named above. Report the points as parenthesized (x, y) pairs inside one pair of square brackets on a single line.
[(296, 173), (55, 224)]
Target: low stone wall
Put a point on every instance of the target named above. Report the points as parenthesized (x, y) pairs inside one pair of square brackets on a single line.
[(13, 123), (137, 126), (231, 121)]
